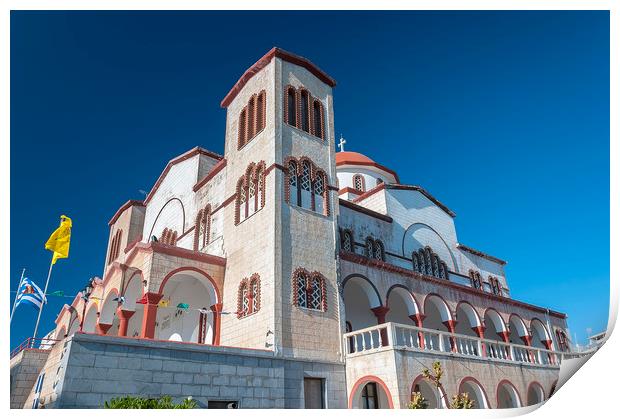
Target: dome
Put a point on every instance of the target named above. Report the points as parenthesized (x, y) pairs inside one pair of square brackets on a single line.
[(351, 159)]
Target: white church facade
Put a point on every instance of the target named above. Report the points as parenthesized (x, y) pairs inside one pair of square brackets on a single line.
[(286, 274)]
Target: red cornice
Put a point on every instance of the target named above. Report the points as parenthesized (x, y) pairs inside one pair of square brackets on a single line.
[(481, 254), (130, 203), (348, 189), (214, 171), (371, 164), (365, 210), (400, 187), (169, 250), (188, 155), (359, 259), (265, 60)]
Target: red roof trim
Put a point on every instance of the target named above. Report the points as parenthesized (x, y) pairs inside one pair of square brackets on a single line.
[(481, 254), (265, 60), (368, 262), (371, 164), (185, 156), (130, 203), (365, 210), (348, 189), (214, 171)]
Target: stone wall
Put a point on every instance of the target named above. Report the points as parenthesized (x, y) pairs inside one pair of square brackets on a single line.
[(25, 368), (102, 367)]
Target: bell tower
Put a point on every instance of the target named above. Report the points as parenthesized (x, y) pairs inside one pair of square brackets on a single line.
[(280, 223)]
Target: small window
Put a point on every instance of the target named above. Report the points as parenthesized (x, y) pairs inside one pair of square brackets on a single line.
[(369, 396), (313, 393), (358, 183), (304, 111), (317, 112), (291, 107)]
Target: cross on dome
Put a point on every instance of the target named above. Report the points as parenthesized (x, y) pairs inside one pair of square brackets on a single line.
[(342, 143)]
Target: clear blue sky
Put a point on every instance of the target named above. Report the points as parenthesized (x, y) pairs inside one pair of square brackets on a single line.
[(504, 117)]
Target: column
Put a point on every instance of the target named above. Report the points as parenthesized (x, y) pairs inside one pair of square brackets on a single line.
[(217, 321), (380, 312), (418, 320), (451, 325), (123, 319), (480, 333), (102, 328), (527, 339), (548, 344), (150, 300)]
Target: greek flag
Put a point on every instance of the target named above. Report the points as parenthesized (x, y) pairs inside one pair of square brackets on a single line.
[(29, 293)]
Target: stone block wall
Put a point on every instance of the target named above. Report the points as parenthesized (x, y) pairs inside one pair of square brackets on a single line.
[(25, 368)]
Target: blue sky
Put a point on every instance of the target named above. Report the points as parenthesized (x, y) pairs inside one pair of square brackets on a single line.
[(503, 116)]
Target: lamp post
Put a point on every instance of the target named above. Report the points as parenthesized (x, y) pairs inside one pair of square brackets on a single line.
[(88, 289)]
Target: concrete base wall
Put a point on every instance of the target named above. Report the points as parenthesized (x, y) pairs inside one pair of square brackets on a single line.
[(99, 368), (25, 368)]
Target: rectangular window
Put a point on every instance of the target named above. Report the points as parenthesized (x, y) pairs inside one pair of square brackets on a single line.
[(313, 393)]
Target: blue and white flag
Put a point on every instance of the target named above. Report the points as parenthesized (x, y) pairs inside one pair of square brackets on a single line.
[(29, 293)]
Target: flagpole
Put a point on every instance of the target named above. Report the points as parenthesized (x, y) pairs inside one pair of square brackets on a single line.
[(17, 295), (49, 273)]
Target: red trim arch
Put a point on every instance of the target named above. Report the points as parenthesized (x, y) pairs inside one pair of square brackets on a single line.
[(133, 275), (415, 300), (190, 268), (527, 331), (505, 381), (484, 392), (371, 378), (444, 395), (442, 299)]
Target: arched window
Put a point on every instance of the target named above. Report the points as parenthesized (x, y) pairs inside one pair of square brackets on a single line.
[(317, 123), (202, 229), (304, 111), (260, 186), (562, 341), (306, 185), (476, 279), (358, 183), (496, 287), (250, 192), (252, 119), (293, 183), (290, 107), (248, 298), (346, 241), (309, 290), (426, 262), (375, 249), (115, 246), (241, 135), (168, 237), (251, 195), (319, 192)]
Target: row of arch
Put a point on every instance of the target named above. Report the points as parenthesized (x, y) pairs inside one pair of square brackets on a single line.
[(363, 303), (187, 307), (251, 119), (506, 394)]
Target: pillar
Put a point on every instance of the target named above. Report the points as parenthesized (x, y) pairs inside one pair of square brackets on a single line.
[(102, 328), (480, 333), (548, 344), (418, 320), (380, 312), (123, 320), (451, 325), (217, 321), (506, 337), (150, 300)]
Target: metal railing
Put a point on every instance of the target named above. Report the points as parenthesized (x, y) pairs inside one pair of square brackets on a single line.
[(43, 344), (405, 337)]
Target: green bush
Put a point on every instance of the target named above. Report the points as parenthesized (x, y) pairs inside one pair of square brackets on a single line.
[(417, 401), (164, 402), (461, 401)]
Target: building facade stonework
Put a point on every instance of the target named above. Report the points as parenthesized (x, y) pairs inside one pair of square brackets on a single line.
[(284, 274)]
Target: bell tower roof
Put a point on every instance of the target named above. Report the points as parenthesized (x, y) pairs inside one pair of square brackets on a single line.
[(265, 60)]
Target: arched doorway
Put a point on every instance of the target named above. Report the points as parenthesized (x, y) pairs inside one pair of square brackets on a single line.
[(535, 394), (507, 396), (184, 294), (437, 317), (370, 392), (434, 397), (476, 393)]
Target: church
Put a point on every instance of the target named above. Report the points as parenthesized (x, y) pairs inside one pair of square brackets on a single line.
[(287, 274)]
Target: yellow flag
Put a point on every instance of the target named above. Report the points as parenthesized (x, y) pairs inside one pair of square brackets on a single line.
[(60, 239)]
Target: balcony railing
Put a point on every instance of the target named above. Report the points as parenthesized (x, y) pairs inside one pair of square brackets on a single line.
[(404, 337), (42, 344)]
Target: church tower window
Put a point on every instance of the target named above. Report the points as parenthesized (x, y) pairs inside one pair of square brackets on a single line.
[(115, 246), (202, 229), (476, 279), (248, 298), (251, 119), (426, 262), (346, 240), (292, 183), (309, 189), (358, 183), (250, 192), (309, 290), (496, 287), (375, 249), (304, 111), (306, 185), (318, 120), (290, 107), (168, 237)]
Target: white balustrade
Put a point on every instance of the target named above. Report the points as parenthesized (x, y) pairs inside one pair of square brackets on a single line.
[(401, 336)]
